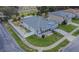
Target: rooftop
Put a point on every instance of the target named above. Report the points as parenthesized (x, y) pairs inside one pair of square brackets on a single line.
[(52, 17), (63, 13), (74, 11), (37, 22)]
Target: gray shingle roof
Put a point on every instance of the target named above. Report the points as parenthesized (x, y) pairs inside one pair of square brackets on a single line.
[(63, 14), (37, 22), (55, 18)]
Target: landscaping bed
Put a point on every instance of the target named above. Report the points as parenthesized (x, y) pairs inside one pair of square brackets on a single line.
[(18, 40), (61, 45), (67, 28), (43, 42)]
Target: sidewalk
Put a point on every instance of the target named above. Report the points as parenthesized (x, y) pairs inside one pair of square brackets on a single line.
[(74, 24), (66, 34)]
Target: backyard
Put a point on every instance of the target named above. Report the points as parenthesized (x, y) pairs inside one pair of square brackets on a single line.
[(43, 42), (67, 28), (61, 45)]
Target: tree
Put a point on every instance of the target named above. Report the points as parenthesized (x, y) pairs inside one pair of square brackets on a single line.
[(22, 15), (51, 8), (42, 10), (8, 10), (16, 17)]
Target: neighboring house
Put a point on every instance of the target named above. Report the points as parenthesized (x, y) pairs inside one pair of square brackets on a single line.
[(66, 15), (74, 11), (38, 25), (72, 46), (57, 19)]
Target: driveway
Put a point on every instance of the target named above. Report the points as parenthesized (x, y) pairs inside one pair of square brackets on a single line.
[(74, 24), (66, 34), (72, 46)]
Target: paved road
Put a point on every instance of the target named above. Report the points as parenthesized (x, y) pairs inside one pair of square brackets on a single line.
[(7, 44), (72, 46)]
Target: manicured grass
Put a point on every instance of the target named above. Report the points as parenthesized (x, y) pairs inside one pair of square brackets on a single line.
[(67, 28), (18, 40), (37, 41), (75, 20), (76, 33), (55, 49)]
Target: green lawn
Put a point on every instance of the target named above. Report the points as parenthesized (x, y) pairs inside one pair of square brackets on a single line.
[(55, 49), (37, 41), (67, 28), (76, 33), (18, 40), (75, 20)]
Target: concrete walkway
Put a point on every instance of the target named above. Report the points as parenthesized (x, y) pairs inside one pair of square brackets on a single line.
[(74, 24), (66, 34), (74, 30)]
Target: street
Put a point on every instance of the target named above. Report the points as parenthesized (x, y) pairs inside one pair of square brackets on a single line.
[(7, 43)]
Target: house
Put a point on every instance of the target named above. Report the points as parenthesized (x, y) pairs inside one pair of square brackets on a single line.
[(72, 46), (57, 19), (66, 15), (39, 25), (74, 11)]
